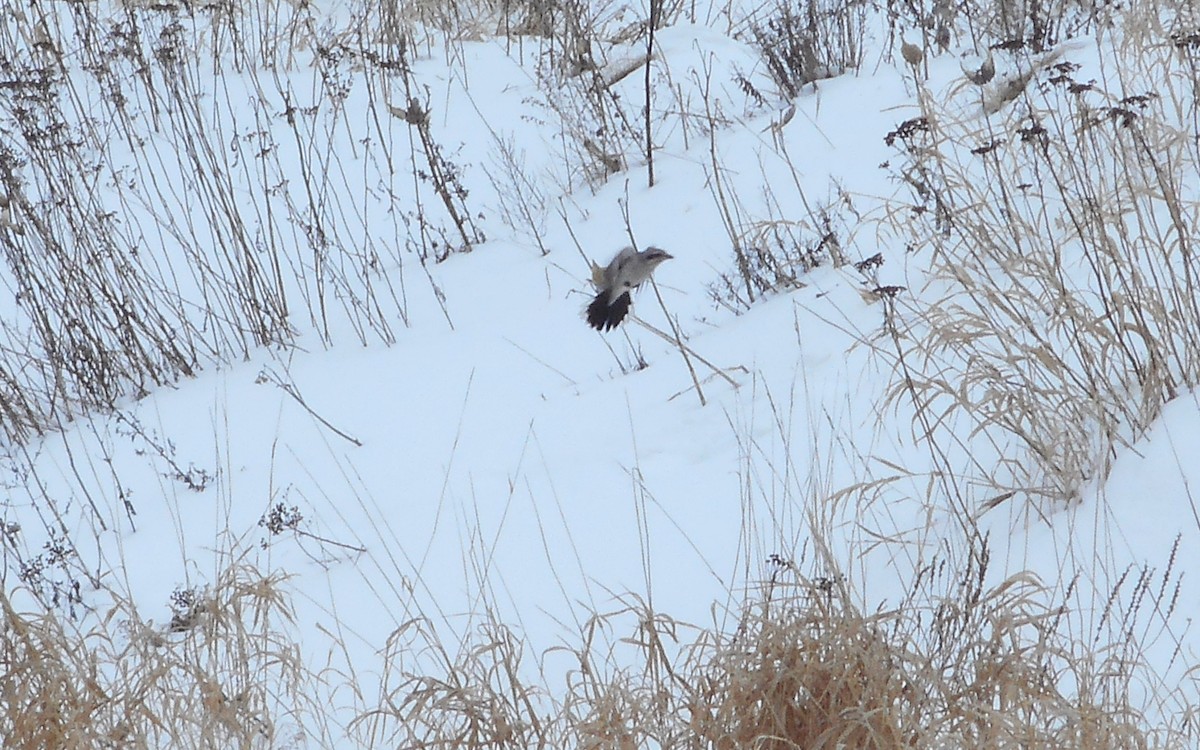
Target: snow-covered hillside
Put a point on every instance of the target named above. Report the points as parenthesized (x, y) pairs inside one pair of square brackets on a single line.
[(302, 415)]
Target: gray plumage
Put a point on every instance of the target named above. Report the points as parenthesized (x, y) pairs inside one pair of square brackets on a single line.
[(626, 272)]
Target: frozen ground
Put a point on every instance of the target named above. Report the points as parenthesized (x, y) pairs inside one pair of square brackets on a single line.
[(501, 455)]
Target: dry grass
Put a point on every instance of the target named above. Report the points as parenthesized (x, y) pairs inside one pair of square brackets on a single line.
[(966, 667), (1067, 315), (220, 675), (1060, 231), (149, 233), (806, 673), (963, 667)]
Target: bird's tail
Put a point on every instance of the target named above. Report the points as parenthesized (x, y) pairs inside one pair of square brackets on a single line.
[(604, 315)]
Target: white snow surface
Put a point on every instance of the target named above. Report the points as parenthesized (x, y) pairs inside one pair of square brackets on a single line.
[(505, 455)]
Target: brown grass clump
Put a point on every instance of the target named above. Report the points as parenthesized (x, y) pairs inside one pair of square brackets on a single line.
[(812, 675), (217, 679), (970, 667), (45, 691), (802, 668), (953, 666)]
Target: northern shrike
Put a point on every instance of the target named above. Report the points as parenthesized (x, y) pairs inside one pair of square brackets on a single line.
[(616, 283)]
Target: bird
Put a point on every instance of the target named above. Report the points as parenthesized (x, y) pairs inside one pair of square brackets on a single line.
[(625, 272)]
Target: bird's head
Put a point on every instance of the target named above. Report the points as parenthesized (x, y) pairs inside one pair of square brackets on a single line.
[(655, 255)]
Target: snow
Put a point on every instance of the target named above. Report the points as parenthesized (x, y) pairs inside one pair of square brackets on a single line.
[(501, 454)]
